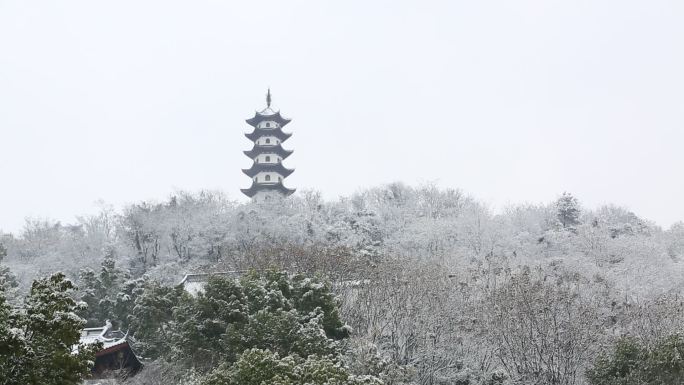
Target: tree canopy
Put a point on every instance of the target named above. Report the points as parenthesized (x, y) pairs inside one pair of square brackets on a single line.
[(39, 344)]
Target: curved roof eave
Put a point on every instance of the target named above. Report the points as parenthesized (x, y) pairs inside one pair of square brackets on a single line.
[(255, 188), (259, 132), (276, 117), (277, 149), (266, 167)]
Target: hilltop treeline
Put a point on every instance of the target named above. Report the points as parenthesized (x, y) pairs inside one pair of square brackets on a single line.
[(436, 287)]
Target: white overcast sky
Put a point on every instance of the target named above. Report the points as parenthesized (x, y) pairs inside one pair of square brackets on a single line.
[(511, 101)]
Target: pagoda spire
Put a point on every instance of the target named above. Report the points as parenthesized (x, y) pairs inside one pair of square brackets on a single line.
[(267, 171)]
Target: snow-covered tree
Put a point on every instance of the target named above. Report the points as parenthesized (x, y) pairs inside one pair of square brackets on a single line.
[(270, 310), (417, 269), (152, 316), (8, 281), (40, 343), (15, 353), (109, 294), (544, 326), (631, 362), (259, 367), (568, 211)]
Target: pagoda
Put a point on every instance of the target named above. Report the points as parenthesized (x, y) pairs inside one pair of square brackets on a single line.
[(267, 171)]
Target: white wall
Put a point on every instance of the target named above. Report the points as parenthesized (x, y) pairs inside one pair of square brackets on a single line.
[(261, 177), (262, 140), (266, 123), (262, 158)]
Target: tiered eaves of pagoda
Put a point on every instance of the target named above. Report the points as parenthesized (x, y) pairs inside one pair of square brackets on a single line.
[(277, 132), (268, 149), (267, 171), (270, 114), (258, 187), (266, 167)]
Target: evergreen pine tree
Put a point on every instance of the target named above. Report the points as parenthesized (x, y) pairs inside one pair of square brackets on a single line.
[(8, 281), (568, 211), (109, 294), (15, 353), (258, 367), (40, 344)]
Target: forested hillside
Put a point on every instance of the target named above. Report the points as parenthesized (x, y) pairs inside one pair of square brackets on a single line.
[(434, 286)]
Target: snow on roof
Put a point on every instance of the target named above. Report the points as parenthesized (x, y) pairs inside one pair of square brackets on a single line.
[(203, 277), (267, 111), (194, 287), (109, 338), (107, 343), (194, 283)]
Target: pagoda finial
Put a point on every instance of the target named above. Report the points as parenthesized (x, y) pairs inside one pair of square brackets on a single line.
[(268, 98)]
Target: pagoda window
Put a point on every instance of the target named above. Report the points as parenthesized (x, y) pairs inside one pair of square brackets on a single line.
[(268, 158), (268, 178), (280, 179), (268, 141), (268, 124)]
